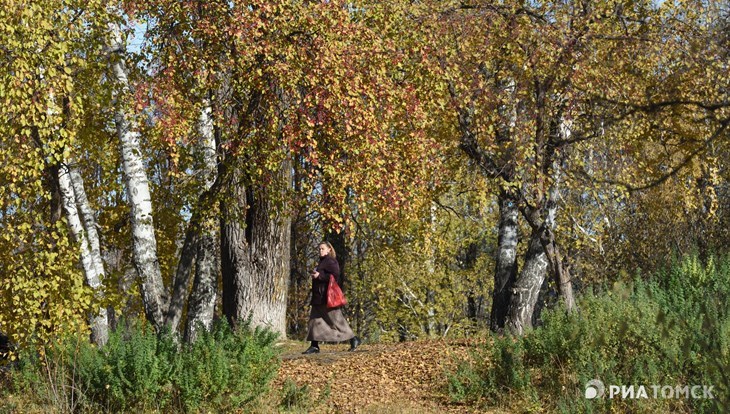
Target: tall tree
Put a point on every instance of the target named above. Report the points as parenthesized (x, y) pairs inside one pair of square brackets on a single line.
[(43, 113), (529, 99), (144, 241), (290, 88)]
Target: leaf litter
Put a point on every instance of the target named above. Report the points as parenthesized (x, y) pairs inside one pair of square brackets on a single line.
[(404, 377)]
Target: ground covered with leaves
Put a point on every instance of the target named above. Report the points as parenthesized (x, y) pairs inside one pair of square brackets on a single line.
[(402, 378)]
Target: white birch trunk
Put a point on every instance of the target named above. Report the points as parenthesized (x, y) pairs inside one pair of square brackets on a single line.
[(87, 219), (207, 147), (541, 253), (505, 272), (99, 323), (205, 286), (527, 287), (138, 193), (83, 229), (430, 323), (562, 272)]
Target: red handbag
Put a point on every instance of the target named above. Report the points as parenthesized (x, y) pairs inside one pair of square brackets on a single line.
[(335, 297)]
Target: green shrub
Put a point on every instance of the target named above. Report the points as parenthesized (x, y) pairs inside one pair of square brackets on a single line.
[(131, 370), (223, 370), (671, 329)]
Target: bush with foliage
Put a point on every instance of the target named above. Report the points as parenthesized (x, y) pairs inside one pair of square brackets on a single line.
[(223, 370), (669, 329)]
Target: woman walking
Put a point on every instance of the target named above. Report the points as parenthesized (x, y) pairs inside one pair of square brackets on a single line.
[(326, 325)]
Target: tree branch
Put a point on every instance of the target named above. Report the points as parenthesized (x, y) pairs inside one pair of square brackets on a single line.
[(675, 170)]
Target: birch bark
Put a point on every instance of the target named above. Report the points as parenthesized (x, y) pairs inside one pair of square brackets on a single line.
[(205, 285), (88, 220), (144, 242), (99, 323), (526, 289), (527, 286), (505, 271), (560, 267)]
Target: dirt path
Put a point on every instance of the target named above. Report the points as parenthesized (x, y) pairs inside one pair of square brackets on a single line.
[(381, 378)]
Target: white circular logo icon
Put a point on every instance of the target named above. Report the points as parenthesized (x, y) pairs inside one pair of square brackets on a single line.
[(594, 389)]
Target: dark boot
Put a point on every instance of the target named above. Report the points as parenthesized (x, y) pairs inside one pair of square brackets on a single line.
[(354, 343), (313, 348)]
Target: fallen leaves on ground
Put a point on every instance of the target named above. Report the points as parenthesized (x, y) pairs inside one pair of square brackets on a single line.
[(383, 378)]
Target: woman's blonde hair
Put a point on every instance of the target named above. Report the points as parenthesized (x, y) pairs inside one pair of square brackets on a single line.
[(332, 252)]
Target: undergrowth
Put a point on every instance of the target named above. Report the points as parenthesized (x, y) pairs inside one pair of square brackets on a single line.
[(671, 329), (138, 370)]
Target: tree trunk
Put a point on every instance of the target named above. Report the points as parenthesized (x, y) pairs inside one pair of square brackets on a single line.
[(255, 243), (99, 323), (560, 268), (88, 220), (233, 246), (56, 205), (474, 299), (429, 326), (201, 305), (506, 263), (527, 286), (562, 274), (138, 193), (541, 251), (181, 281), (50, 176), (4, 346)]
